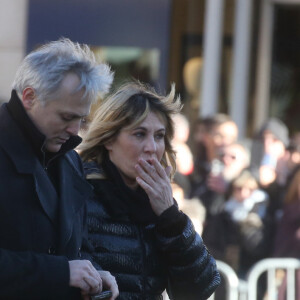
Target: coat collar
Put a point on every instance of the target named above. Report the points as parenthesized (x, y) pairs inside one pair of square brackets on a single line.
[(27, 127), (14, 142), (35, 138), (74, 190)]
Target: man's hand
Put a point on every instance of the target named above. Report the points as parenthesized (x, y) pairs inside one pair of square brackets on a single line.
[(84, 276), (109, 283)]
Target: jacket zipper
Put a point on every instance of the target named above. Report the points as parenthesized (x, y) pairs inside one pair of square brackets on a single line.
[(45, 166)]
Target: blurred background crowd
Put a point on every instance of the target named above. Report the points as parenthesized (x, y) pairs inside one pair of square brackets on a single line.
[(246, 191)]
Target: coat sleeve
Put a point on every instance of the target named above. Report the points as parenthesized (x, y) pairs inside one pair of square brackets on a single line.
[(27, 275), (191, 269)]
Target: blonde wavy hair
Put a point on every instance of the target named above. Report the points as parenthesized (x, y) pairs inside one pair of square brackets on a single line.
[(128, 107)]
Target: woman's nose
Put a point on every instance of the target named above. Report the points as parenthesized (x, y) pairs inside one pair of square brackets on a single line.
[(150, 145)]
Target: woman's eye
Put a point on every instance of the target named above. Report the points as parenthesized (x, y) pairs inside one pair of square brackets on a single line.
[(160, 136), (139, 134)]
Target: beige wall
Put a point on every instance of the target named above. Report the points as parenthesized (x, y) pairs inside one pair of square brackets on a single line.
[(13, 24)]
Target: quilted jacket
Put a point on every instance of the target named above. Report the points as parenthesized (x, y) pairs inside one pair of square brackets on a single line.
[(145, 259)]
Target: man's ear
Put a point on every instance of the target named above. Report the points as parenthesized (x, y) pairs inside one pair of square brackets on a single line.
[(28, 98)]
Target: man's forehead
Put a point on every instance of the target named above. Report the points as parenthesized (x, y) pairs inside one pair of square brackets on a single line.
[(76, 111), (268, 133)]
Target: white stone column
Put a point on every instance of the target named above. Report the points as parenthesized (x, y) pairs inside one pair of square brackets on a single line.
[(13, 25), (213, 33), (264, 60), (241, 56)]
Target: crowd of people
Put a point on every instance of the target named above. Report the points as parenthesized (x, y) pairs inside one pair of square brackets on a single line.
[(250, 190)]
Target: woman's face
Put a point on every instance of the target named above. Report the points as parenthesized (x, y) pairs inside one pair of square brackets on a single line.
[(242, 193), (146, 140)]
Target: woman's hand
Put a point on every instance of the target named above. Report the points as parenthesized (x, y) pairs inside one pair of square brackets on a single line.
[(154, 179)]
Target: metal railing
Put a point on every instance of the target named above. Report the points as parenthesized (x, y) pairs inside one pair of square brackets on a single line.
[(237, 289), (270, 266), (231, 281)]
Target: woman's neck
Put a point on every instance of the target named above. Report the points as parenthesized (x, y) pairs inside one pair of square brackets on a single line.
[(130, 182)]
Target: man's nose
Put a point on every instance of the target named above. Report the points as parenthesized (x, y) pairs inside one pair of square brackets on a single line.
[(74, 127)]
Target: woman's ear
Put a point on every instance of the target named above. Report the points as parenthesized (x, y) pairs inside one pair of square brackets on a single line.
[(108, 146), (28, 98)]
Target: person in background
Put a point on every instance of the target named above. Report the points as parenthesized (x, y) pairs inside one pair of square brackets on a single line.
[(289, 161), (268, 147), (287, 239), (224, 132), (184, 156), (271, 160), (218, 132), (203, 151), (232, 161), (43, 190), (193, 208), (134, 224), (233, 158), (244, 214)]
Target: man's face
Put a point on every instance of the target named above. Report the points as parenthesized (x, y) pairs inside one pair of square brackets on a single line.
[(234, 158), (224, 134), (60, 118), (272, 145)]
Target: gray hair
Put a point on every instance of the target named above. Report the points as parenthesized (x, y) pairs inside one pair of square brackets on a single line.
[(45, 68)]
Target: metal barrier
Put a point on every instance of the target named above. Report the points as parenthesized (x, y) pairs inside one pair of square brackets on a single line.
[(231, 281), (237, 289), (270, 266)]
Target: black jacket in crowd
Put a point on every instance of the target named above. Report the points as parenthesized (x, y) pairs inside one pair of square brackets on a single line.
[(146, 254), (41, 214)]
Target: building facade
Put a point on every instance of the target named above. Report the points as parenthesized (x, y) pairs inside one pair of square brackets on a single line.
[(240, 57)]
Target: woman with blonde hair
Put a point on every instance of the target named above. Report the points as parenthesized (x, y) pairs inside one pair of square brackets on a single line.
[(134, 224)]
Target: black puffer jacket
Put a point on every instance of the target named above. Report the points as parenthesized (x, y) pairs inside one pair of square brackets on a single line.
[(147, 259)]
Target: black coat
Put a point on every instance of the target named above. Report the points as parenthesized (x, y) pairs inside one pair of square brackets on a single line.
[(35, 242), (144, 258)]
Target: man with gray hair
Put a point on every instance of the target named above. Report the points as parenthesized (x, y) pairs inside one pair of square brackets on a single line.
[(43, 190)]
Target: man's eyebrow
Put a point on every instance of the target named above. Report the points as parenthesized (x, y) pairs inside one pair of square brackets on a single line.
[(72, 115)]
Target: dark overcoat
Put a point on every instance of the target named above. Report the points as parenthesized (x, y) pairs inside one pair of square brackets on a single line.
[(35, 242)]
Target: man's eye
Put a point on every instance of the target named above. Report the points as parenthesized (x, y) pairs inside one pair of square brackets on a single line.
[(65, 118)]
